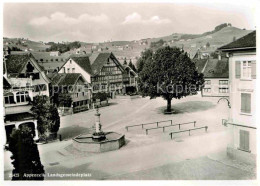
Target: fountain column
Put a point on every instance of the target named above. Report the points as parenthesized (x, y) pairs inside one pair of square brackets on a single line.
[(97, 121)]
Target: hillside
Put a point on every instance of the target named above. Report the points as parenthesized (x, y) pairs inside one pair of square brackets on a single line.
[(25, 44), (221, 35)]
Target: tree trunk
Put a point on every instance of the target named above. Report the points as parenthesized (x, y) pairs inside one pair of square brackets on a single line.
[(169, 109)]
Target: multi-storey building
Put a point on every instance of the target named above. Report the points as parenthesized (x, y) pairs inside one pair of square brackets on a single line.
[(74, 85), (80, 64), (23, 80), (242, 78), (109, 75), (216, 76)]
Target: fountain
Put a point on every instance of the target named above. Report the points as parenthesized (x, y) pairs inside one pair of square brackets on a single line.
[(98, 141)]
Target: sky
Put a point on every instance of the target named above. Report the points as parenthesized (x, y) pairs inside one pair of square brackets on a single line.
[(99, 22)]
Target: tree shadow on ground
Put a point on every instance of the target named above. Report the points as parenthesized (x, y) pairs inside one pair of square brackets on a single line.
[(72, 131), (188, 107)]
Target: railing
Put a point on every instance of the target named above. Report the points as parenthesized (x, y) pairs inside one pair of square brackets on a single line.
[(163, 127), (157, 123), (206, 129)]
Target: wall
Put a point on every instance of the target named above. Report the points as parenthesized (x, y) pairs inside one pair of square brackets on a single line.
[(215, 88), (239, 86), (78, 69)]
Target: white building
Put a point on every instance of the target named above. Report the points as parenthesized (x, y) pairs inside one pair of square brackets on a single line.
[(79, 65), (242, 78)]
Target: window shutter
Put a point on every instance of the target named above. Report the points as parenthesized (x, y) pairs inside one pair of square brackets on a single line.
[(238, 69), (243, 103), (253, 75), (241, 140), (248, 103), (246, 140)]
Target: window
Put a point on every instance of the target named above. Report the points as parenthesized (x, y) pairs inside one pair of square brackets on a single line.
[(244, 140), (207, 90), (57, 59), (68, 70), (223, 82), (245, 103), (83, 93), (246, 70), (22, 97), (51, 59), (73, 70), (207, 82), (223, 90), (9, 98), (70, 61)]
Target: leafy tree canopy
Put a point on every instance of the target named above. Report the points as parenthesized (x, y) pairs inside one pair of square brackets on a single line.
[(25, 156), (170, 73)]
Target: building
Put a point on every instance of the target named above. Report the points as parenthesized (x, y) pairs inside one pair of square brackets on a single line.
[(74, 85), (109, 75), (23, 80), (242, 78), (215, 75), (21, 68), (80, 65)]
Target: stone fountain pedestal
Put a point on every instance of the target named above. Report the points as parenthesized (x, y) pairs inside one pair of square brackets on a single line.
[(99, 141)]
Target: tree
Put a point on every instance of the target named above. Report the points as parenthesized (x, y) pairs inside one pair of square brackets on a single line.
[(132, 66), (125, 62), (208, 45), (146, 55), (25, 156), (46, 114), (170, 73)]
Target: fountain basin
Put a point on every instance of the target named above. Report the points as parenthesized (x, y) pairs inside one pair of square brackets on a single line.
[(86, 143)]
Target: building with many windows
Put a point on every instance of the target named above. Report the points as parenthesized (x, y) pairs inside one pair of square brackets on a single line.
[(216, 76), (109, 75), (242, 78), (75, 86), (23, 80)]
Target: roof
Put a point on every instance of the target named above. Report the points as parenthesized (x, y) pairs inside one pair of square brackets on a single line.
[(248, 41), (19, 117), (6, 84), (100, 61), (46, 57), (200, 64), (216, 68), (51, 65), (15, 63), (65, 79), (83, 62)]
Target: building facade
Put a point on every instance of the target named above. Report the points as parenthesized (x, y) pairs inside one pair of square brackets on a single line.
[(75, 86), (79, 65), (23, 80), (242, 78), (216, 73), (109, 75)]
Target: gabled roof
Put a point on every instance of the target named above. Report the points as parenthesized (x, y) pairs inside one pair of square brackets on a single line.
[(83, 62), (200, 64), (216, 69), (246, 42), (16, 63), (65, 79), (101, 59)]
